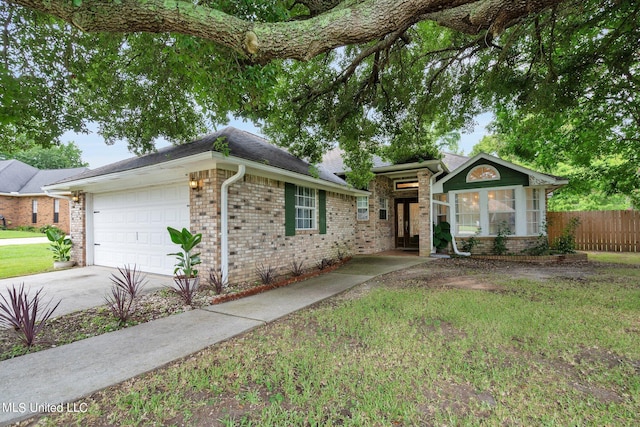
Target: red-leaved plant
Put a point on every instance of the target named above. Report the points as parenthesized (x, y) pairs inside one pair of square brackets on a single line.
[(25, 315)]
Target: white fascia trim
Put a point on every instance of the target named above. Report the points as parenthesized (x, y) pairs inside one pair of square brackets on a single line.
[(24, 194), (410, 167), (69, 185), (294, 177)]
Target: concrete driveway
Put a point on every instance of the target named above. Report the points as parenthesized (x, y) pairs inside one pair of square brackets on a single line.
[(77, 288)]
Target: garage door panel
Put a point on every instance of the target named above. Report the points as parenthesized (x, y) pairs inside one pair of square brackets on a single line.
[(131, 227)]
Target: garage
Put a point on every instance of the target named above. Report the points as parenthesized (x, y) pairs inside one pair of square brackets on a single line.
[(130, 226)]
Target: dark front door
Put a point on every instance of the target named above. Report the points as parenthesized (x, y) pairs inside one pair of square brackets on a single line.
[(407, 224)]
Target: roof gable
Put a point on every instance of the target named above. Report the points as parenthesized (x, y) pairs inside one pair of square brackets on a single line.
[(510, 174), (17, 177)]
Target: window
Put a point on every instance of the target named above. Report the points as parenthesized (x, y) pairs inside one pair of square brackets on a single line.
[(363, 208), (502, 210), (483, 173), (441, 209), (534, 212), (305, 208), (34, 211), (407, 185), (56, 210), (384, 208), (467, 213)]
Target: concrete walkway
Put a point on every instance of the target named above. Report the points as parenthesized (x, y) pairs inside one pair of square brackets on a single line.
[(67, 373), (77, 288)]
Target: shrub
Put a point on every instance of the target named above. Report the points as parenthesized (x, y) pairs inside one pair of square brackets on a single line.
[(267, 274), (296, 268), (186, 261), (120, 304), (27, 316), (60, 244), (442, 235), (216, 280), (324, 263), (566, 242), (187, 287), (132, 281), (500, 242)]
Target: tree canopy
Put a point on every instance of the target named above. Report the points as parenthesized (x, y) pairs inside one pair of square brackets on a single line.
[(561, 76), (61, 156)]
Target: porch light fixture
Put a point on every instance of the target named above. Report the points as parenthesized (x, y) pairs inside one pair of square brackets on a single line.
[(194, 184), (75, 197)]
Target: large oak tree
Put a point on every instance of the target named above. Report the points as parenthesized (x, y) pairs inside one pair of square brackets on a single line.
[(372, 75)]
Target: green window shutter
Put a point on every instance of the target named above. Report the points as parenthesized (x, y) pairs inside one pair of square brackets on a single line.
[(289, 209), (322, 211)]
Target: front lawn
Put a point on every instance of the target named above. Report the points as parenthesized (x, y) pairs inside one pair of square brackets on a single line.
[(450, 342), (615, 257), (21, 260), (17, 234)]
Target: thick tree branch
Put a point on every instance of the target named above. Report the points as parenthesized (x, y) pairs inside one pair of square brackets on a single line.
[(348, 22)]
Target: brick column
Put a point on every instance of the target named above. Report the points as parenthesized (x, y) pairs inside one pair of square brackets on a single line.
[(78, 225), (424, 202)]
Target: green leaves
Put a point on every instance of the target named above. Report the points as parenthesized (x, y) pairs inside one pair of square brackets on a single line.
[(185, 259)]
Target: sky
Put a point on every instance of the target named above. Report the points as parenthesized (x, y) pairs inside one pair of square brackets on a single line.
[(97, 153)]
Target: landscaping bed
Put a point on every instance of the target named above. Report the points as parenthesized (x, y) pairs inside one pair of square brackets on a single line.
[(151, 306), (579, 257)]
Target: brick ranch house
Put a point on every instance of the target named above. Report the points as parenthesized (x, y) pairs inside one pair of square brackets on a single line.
[(24, 203), (255, 204)]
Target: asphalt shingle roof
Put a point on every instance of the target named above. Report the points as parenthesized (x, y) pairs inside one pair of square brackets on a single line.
[(19, 177), (241, 144)]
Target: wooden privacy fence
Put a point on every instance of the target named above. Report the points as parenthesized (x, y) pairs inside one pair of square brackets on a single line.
[(612, 231)]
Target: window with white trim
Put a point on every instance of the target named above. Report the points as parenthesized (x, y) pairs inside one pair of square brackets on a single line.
[(502, 210), (534, 211), (467, 213), (56, 210), (483, 173), (363, 208), (384, 208), (305, 208), (34, 211)]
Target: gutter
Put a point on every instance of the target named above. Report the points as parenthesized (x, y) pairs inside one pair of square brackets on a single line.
[(224, 222), (58, 196), (453, 238)]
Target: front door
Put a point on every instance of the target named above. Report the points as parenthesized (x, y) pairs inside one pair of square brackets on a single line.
[(407, 224)]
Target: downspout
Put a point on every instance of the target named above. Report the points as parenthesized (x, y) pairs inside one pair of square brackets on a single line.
[(453, 238), (224, 222)]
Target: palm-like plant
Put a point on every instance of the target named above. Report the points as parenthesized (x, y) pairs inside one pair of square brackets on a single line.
[(186, 261)]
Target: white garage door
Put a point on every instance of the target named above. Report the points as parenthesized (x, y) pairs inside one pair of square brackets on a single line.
[(130, 227)]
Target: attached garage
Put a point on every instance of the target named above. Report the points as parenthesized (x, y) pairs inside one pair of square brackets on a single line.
[(130, 226)]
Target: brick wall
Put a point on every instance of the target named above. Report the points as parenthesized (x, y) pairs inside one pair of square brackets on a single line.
[(257, 226), (424, 202), (18, 211), (375, 234)]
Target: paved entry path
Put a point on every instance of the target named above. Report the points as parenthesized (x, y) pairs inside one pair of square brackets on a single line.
[(67, 373)]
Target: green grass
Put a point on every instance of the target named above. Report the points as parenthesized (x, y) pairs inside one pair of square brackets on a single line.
[(615, 257), (16, 234), (20, 260), (560, 352)]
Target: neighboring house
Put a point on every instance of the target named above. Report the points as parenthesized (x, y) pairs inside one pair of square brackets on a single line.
[(22, 200), (257, 205)]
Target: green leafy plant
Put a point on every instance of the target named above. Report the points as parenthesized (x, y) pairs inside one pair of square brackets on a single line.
[(500, 242), (186, 261), (60, 244), (442, 235), (541, 246), (467, 245), (566, 242), (25, 315)]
